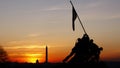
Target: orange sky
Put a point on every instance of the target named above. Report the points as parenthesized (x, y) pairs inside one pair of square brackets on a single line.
[(27, 26)]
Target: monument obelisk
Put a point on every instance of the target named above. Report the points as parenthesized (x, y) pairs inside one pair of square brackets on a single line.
[(46, 58)]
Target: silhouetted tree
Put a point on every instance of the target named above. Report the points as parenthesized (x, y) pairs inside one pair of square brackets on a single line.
[(3, 55)]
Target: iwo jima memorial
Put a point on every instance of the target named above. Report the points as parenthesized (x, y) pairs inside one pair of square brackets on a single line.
[(85, 53)]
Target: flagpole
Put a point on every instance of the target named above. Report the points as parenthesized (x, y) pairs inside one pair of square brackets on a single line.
[(79, 18)]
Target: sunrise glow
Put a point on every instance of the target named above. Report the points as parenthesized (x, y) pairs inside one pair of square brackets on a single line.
[(31, 58)]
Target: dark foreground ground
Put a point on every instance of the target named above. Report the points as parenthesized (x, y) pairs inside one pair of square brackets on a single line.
[(113, 64), (60, 65)]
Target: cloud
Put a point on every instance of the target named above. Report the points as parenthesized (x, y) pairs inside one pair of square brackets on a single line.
[(53, 9), (25, 47), (56, 8), (33, 35), (23, 44)]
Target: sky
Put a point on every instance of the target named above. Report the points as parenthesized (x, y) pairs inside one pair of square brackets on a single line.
[(28, 26)]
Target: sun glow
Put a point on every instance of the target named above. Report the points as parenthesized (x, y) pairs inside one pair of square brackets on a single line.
[(32, 58)]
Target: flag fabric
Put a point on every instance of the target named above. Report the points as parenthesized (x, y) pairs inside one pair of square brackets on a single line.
[(74, 16)]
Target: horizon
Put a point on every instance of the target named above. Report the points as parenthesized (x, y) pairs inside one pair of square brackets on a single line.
[(28, 26)]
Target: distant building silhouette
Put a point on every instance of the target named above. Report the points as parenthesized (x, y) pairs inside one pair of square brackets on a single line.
[(37, 61)]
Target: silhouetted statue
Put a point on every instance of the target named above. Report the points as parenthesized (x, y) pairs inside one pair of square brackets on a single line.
[(80, 51), (75, 51), (85, 53), (94, 52)]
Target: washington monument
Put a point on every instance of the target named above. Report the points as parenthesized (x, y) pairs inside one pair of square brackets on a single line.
[(46, 58)]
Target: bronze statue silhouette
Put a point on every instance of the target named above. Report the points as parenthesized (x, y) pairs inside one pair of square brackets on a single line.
[(80, 51), (94, 52), (84, 52)]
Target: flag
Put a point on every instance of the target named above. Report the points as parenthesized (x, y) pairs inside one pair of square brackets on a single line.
[(74, 16)]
